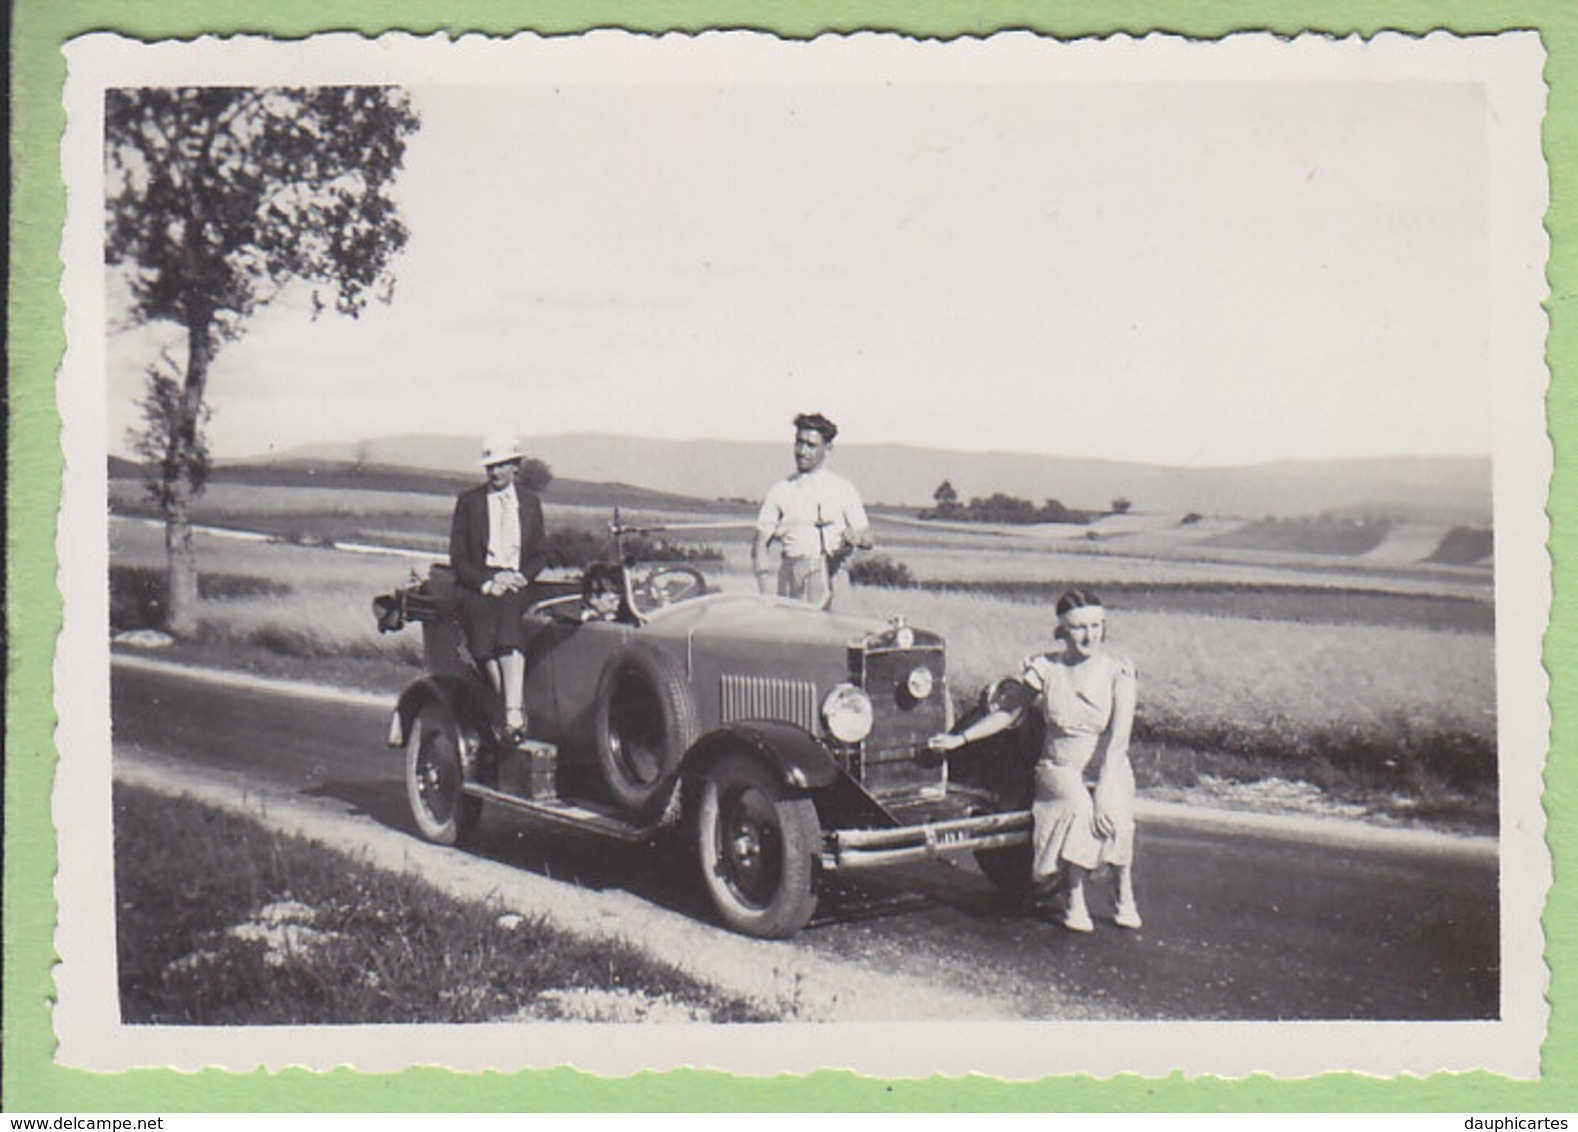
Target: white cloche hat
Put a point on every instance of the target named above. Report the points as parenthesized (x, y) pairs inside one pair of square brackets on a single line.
[(500, 449)]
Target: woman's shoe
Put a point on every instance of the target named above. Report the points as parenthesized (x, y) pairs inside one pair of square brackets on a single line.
[(1127, 916), (1078, 920)]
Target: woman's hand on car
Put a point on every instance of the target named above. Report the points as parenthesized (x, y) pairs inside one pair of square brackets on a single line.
[(947, 741)]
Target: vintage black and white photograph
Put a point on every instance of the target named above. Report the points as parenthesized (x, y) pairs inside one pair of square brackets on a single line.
[(1002, 555)]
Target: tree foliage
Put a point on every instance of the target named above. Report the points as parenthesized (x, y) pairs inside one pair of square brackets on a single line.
[(535, 475), (1000, 507), (215, 198), (881, 570)]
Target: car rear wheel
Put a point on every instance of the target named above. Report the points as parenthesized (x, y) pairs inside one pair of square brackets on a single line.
[(444, 814), (758, 844), (645, 724)]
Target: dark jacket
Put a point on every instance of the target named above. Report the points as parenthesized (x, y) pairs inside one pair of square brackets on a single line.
[(468, 537)]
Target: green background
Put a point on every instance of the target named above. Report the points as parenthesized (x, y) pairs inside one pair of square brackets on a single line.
[(30, 1079)]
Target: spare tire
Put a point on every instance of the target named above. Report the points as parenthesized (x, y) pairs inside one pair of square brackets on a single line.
[(646, 721)]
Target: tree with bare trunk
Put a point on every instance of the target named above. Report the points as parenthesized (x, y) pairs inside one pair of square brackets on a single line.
[(216, 198)]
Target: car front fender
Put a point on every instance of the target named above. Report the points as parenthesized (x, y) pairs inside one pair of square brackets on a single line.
[(797, 757), (802, 763)]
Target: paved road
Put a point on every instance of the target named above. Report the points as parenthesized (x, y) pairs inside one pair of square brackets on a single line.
[(1240, 924)]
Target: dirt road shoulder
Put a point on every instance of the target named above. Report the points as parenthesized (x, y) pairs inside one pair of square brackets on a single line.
[(780, 975)]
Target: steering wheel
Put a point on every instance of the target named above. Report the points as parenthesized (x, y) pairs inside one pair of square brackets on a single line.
[(666, 585)]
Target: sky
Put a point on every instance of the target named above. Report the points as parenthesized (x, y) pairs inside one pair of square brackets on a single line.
[(1188, 272)]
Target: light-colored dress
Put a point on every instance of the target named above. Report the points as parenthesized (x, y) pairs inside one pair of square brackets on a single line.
[(1077, 703)]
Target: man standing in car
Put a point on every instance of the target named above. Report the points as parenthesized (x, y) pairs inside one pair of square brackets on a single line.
[(816, 515), (497, 546)]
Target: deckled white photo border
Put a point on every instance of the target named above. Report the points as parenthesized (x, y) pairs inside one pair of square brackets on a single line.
[(1509, 67)]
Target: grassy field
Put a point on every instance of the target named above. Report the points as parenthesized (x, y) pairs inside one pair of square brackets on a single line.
[(1306, 537), (418, 521), (1174, 554), (308, 514), (1399, 719), (937, 552), (221, 922), (1310, 604), (1375, 684)]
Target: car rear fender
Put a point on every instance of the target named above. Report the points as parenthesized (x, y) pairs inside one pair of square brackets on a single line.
[(459, 699)]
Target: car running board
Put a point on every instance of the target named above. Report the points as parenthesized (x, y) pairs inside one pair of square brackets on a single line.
[(567, 814)]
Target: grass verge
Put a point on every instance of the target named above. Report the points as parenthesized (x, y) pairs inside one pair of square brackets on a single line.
[(221, 921), (1444, 781)]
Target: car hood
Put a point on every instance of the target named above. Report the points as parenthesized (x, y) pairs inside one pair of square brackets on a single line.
[(754, 617)]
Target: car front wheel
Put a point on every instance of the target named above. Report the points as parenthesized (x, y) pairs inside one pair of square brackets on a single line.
[(1007, 868), (758, 844), (444, 814)]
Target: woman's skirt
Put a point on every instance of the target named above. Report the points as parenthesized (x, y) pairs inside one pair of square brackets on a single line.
[(1064, 814), (493, 623)]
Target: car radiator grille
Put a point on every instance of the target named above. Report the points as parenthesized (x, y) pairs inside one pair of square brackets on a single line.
[(902, 724), (766, 697)]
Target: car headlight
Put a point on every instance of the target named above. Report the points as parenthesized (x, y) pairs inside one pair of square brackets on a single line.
[(847, 713)]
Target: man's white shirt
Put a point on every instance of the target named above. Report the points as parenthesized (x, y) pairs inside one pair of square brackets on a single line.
[(795, 507)]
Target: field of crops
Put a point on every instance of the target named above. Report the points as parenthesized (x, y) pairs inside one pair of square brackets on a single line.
[(1382, 683)]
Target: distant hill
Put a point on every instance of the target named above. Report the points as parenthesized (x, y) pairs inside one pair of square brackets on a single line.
[(1424, 489), (426, 481)]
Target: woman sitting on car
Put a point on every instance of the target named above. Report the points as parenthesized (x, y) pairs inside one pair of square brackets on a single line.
[(1087, 696), (497, 546)]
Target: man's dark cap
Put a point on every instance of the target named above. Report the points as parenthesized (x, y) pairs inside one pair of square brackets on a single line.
[(818, 422)]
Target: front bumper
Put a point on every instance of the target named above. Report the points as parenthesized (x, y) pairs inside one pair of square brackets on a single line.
[(844, 849)]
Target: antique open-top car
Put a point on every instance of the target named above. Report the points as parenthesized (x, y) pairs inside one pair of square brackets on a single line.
[(783, 740)]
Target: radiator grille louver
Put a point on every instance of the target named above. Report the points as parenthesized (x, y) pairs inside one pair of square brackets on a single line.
[(767, 697)]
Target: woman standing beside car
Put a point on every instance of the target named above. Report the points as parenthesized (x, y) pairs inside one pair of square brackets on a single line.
[(1087, 696)]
